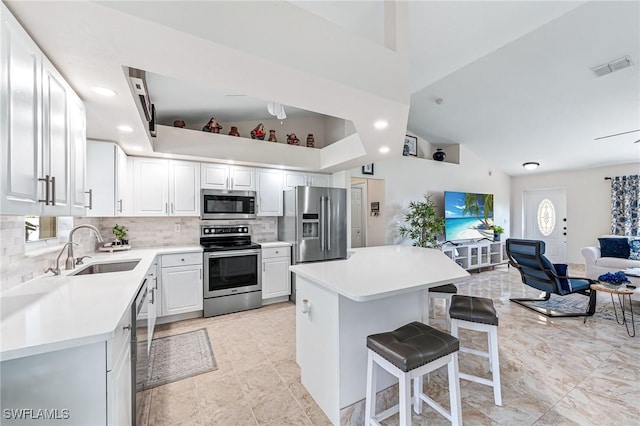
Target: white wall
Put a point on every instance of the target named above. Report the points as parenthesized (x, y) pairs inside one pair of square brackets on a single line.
[(588, 203), (407, 178)]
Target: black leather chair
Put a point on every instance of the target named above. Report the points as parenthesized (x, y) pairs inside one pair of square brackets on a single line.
[(527, 256)]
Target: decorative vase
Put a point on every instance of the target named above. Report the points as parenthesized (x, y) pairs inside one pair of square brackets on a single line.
[(258, 132), (439, 155), (234, 131), (179, 123), (292, 139), (310, 140), (496, 237), (272, 136)]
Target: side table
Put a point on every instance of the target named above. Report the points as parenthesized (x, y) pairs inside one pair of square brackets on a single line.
[(621, 291)]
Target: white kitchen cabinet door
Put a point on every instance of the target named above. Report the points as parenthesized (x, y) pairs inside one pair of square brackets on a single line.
[(293, 179), (242, 178), (101, 178), (215, 176), (184, 188), (119, 410), (316, 179), (78, 145), (275, 277), (150, 187), (55, 140), (20, 118), (124, 190), (181, 288), (269, 192)]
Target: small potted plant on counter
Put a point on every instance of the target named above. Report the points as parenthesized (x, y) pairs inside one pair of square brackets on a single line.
[(497, 231), (120, 233)]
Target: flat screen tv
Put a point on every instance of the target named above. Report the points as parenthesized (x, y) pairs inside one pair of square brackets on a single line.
[(468, 216)]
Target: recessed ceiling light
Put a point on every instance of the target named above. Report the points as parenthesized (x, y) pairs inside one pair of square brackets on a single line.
[(531, 165), (381, 124), (126, 129), (384, 149), (104, 91)]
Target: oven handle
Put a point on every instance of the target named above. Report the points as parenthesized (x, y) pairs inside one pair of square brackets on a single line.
[(233, 253)]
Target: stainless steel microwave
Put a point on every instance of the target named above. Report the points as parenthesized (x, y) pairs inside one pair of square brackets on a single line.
[(218, 204)]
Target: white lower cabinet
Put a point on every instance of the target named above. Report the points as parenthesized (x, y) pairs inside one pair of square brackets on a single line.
[(119, 410), (181, 283), (276, 281)]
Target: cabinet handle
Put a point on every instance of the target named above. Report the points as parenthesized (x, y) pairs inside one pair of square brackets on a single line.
[(166, 208), (227, 182), (172, 209), (263, 266), (120, 209), (46, 190), (200, 273), (53, 190), (153, 292), (127, 327), (90, 192), (231, 183)]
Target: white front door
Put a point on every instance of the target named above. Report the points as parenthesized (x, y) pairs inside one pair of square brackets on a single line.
[(546, 219), (356, 217)]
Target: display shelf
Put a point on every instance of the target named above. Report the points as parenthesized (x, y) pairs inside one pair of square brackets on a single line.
[(476, 255)]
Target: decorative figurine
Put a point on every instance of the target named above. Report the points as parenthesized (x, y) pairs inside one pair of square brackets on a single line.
[(212, 126), (234, 131), (292, 139), (258, 132), (179, 123), (310, 140), (272, 136)]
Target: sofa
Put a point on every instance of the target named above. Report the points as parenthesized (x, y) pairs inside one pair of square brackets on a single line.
[(613, 260)]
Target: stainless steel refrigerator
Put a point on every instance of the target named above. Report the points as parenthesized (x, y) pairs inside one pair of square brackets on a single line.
[(315, 223)]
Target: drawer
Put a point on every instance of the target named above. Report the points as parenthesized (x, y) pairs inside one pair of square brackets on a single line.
[(276, 252), (180, 259)]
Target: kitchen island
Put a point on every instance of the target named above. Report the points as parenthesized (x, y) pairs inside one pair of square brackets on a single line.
[(340, 303)]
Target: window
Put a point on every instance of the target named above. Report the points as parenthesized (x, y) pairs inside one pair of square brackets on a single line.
[(546, 217)]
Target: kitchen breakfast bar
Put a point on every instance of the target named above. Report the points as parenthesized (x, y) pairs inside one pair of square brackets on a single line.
[(340, 303)]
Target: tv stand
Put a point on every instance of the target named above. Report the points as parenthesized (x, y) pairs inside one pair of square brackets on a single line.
[(472, 255)]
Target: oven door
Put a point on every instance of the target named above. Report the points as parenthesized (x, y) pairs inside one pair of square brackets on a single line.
[(228, 204), (232, 272)]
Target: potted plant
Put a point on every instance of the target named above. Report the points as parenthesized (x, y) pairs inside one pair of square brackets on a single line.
[(423, 225), (497, 231), (120, 233)]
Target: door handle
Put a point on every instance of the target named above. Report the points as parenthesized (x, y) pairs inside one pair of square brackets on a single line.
[(90, 192), (328, 216), (322, 224), (46, 190), (53, 190)]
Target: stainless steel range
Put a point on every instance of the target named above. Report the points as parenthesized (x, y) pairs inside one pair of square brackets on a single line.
[(232, 273)]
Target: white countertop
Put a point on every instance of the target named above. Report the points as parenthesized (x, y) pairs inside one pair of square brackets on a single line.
[(58, 312), (274, 244), (376, 272)]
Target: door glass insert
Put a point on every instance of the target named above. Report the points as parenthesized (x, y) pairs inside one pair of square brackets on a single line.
[(546, 217)]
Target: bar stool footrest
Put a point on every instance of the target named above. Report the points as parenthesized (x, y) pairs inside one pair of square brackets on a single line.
[(476, 379), (475, 352)]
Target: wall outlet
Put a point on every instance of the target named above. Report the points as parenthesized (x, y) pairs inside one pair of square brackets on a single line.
[(176, 227), (267, 226)]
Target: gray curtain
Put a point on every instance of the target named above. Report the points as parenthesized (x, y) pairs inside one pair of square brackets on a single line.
[(625, 194)]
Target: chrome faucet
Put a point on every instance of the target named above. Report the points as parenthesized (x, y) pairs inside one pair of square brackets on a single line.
[(56, 270), (71, 261)]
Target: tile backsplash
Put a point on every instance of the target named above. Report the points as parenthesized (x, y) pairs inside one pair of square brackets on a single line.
[(18, 266)]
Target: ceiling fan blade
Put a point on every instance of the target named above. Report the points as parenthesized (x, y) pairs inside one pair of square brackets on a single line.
[(617, 134)]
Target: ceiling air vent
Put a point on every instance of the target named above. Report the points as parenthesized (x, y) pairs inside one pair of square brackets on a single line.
[(137, 78), (612, 66)]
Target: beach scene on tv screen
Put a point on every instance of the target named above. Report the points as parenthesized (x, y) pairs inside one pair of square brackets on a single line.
[(468, 216)]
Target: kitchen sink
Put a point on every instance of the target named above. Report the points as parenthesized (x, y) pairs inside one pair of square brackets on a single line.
[(103, 268)]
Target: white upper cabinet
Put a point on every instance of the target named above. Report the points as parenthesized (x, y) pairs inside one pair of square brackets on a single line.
[(225, 177), (184, 188), (20, 119), (78, 144), (293, 179), (108, 180), (165, 187), (150, 187), (269, 192), (41, 120)]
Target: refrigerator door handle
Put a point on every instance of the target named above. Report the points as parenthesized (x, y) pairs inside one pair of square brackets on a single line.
[(328, 223), (322, 223)]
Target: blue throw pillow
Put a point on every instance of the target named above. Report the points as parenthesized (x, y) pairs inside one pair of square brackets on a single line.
[(634, 249), (614, 247), (561, 270)]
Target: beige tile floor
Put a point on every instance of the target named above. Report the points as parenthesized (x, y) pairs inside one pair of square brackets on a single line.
[(554, 372)]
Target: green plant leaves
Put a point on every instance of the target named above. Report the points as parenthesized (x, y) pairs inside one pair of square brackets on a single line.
[(423, 225)]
